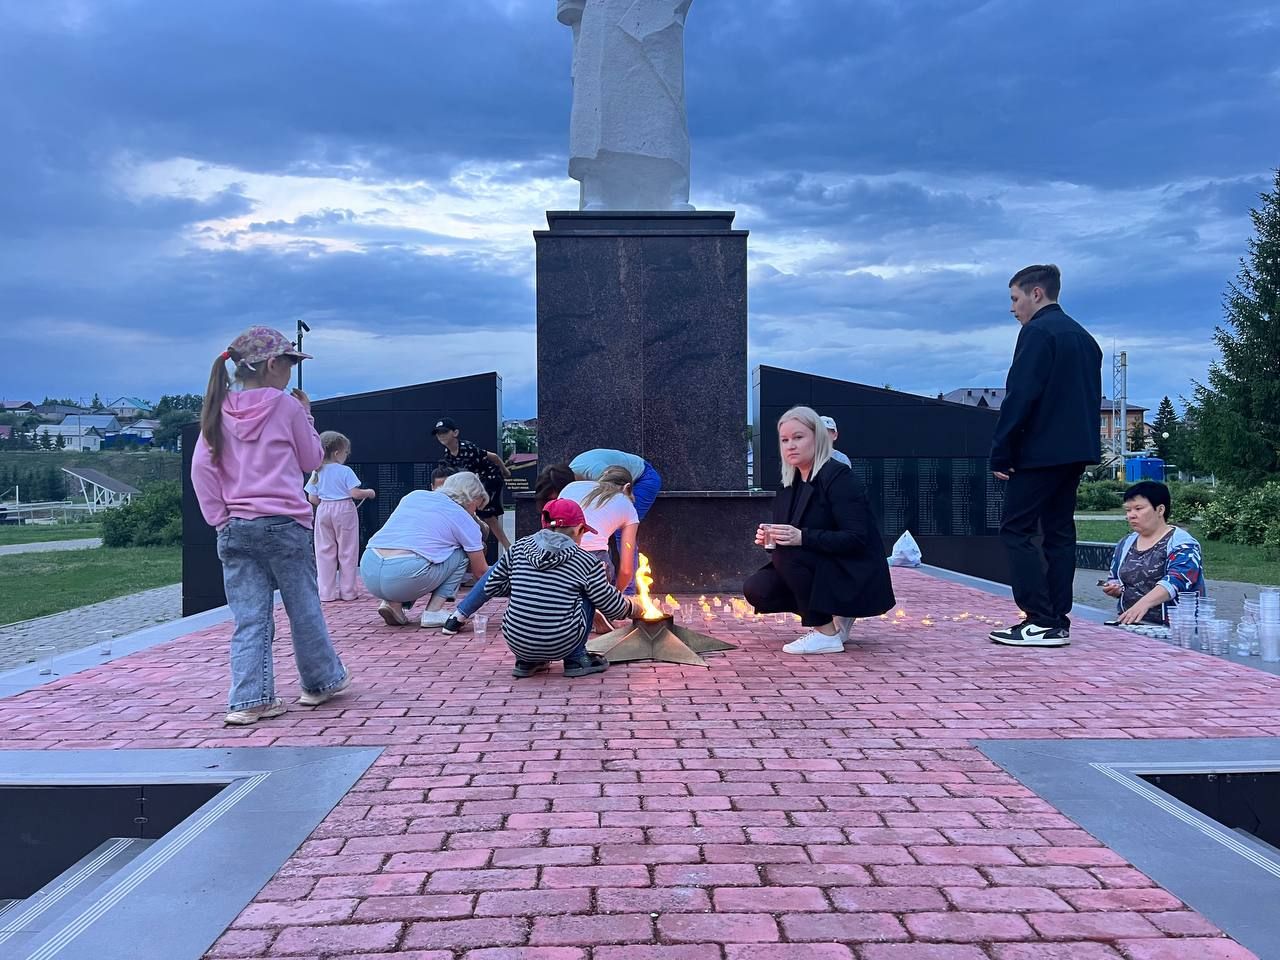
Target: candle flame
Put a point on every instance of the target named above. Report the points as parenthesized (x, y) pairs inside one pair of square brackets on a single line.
[(644, 579)]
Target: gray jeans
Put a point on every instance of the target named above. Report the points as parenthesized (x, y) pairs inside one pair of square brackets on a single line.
[(258, 557)]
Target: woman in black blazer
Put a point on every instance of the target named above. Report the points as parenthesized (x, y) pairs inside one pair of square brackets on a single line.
[(828, 562)]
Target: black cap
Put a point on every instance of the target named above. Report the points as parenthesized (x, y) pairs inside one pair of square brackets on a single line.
[(444, 425)]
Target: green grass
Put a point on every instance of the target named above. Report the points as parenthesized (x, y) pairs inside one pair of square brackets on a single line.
[(37, 584), (1222, 561), (40, 533)]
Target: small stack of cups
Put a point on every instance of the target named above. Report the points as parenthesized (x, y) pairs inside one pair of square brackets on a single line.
[(1269, 625)]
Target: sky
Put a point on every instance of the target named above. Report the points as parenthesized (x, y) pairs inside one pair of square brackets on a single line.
[(174, 172)]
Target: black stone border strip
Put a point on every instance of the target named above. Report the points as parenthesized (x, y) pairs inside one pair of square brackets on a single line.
[(179, 896), (1227, 876)]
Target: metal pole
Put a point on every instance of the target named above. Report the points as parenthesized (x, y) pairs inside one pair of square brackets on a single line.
[(299, 364), (1124, 401)]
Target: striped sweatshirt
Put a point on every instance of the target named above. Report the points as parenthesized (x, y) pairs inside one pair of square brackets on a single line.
[(547, 576)]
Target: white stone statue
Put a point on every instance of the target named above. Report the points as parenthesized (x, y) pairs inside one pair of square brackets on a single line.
[(628, 132)]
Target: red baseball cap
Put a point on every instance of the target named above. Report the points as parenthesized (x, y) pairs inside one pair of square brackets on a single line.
[(564, 513)]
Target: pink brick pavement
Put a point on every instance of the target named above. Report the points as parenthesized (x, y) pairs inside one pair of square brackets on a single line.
[(807, 808)]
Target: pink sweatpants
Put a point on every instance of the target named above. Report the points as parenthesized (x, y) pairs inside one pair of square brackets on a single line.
[(337, 549)]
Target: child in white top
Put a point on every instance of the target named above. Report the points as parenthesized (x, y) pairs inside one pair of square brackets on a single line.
[(334, 489)]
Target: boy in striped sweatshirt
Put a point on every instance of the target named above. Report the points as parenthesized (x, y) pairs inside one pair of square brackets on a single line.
[(555, 588)]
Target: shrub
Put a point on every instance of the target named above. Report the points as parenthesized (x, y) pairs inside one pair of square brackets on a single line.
[(1190, 499), (1244, 516), (152, 519), (1100, 495)]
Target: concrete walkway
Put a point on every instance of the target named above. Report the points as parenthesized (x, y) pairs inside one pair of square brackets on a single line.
[(47, 546), (73, 629)]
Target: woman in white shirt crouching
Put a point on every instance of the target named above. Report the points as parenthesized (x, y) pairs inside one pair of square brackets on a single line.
[(424, 549), (609, 506)]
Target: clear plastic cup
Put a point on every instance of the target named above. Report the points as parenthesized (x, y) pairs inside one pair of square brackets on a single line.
[(1269, 641), (104, 642), (480, 624), (45, 653)]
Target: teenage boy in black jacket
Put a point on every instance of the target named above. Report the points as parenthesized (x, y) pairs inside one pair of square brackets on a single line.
[(1049, 430)]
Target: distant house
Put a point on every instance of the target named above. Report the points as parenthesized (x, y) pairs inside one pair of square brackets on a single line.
[(146, 429), (54, 412), (102, 422), (992, 397), (84, 438), (17, 406), (129, 407)]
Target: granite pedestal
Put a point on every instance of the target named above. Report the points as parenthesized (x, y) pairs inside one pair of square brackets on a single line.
[(642, 347), (642, 342)]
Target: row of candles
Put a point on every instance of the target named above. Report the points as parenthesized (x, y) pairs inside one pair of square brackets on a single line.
[(737, 608)]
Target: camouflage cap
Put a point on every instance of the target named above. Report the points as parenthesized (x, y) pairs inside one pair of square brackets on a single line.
[(262, 343)]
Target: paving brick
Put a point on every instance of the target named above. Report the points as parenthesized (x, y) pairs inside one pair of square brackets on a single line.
[(588, 930), (337, 939), (1005, 899), (968, 927), (464, 934), (681, 951), (1112, 925), (788, 951), (466, 881), (1141, 899), (1188, 949), (533, 903), (1053, 877), (1183, 923), (843, 927), (718, 927), (428, 907), (296, 913), (652, 899), (524, 953), (920, 951), (242, 943), (887, 899), (769, 899), (1076, 950), (705, 875), (627, 875)]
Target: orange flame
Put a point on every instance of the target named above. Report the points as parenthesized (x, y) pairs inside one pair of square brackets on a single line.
[(644, 580)]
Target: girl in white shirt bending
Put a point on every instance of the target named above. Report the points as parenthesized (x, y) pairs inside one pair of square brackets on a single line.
[(333, 490)]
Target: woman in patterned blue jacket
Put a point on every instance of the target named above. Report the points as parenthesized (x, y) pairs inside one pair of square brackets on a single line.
[(1155, 564)]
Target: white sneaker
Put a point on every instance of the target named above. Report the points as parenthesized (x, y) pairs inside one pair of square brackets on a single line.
[(393, 614), (434, 619), (815, 641)]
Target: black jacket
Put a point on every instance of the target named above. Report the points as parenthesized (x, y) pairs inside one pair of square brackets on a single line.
[(840, 540), (1052, 408)]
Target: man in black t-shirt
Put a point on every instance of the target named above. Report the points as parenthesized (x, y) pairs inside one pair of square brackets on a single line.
[(488, 466)]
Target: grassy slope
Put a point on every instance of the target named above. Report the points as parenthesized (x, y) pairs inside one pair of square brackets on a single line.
[(37, 584)]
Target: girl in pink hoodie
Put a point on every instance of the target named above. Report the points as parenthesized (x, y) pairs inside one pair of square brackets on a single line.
[(256, 443)]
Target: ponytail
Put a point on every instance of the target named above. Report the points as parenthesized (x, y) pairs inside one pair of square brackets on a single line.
[(331, 441), (211, 411), (613, 481)]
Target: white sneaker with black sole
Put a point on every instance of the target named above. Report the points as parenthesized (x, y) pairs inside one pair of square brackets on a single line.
[(1029, 634)]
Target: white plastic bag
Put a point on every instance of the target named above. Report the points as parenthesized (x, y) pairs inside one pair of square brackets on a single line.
[(906, 552)]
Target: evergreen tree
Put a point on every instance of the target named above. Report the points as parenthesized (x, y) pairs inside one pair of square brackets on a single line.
[(1138, 436), (60, 442), (96, 404), (1239, 408), (46, 441), (1166, 421)]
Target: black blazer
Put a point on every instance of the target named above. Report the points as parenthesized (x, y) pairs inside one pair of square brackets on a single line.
[(1052, 411), (840, 541)]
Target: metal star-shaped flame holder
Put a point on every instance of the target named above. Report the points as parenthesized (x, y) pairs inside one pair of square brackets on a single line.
[(660, 639)]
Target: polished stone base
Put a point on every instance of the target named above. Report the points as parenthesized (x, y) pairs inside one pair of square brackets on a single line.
[(662, 640), (697, 541)]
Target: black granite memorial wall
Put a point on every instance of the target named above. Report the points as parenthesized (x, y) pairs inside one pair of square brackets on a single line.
[(392, 450), (924, 462)]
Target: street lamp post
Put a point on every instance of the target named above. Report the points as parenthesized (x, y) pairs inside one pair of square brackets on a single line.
[(302, 326)]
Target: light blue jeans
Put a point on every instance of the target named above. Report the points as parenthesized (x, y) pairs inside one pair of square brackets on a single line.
[(258, 557), (409, 578)]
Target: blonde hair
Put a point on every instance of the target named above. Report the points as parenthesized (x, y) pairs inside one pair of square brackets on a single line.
[(613, 481), (464, 489), (821, 441), (215, 394), (331, 442)]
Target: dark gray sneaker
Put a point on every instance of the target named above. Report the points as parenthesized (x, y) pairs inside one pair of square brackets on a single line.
[(527, 668), (453, 625), (591, 663)]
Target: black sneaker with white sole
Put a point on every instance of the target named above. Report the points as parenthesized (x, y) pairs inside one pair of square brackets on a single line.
[(1004, 634), (1032, 635), (453, 625)]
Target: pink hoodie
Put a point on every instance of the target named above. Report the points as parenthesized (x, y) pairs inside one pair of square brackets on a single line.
[(268, 443)]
